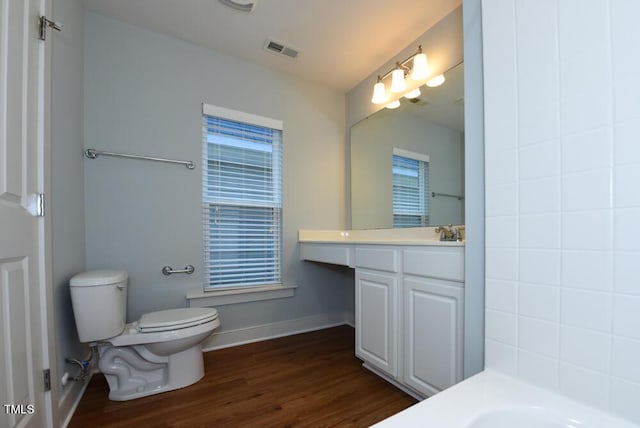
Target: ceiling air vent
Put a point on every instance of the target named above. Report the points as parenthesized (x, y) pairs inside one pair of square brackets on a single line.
[(418, 101), (281, 48)]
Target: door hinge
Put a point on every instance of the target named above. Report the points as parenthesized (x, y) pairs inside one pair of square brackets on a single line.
[(46, 23), (46, 377), (40, 205)]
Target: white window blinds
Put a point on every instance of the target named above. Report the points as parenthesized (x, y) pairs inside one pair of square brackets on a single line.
[(242, 202), (410, 192)]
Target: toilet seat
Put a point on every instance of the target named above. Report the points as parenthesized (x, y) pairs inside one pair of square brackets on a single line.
[(173, 319)]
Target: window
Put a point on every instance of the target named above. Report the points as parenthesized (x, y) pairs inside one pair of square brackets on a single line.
[(410, 189), (241, 198)]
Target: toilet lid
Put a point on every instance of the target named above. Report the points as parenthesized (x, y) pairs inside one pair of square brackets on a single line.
[(173, 319)]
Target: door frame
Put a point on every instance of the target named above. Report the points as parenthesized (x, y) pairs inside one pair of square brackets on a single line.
[(45, 225)]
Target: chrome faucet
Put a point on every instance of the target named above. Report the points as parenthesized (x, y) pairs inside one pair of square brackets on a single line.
[(448, 233)]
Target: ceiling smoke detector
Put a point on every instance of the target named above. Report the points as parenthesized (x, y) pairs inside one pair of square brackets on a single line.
[(280, 48), (243, 6)]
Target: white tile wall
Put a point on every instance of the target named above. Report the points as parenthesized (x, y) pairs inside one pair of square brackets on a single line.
[(538, 336), (587, 270), (539, 301), (540, 196), (538, 369), (501, 295), (626, 272), (624, 398), (502, 326), (563, 219)]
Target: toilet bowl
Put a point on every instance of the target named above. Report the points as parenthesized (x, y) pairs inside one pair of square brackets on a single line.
[(158, 353)]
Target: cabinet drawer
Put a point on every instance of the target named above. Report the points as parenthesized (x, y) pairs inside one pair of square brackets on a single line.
[(441, 262), (334, 254), (383, 259)]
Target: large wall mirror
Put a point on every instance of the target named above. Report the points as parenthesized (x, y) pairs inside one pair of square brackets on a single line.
[(407, 164)]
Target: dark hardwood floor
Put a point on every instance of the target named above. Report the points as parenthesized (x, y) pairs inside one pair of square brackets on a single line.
[(307, 380)]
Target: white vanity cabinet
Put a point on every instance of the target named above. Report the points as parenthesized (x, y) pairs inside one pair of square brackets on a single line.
[(377, 302), (409, 314)]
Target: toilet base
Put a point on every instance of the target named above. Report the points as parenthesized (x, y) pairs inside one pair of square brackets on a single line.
[(134, 372)]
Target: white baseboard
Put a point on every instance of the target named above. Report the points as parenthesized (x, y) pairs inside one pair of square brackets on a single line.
[(351, 319), (70, 399), (257, 333)]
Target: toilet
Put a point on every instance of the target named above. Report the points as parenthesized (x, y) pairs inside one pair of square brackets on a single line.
[(160, 352)]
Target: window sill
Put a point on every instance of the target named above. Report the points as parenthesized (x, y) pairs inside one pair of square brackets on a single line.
[(202, 299)]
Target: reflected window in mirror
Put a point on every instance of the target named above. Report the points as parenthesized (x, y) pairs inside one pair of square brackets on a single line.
[(410, 189)]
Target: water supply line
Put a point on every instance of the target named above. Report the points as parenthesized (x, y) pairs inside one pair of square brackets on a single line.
[(83, 365)]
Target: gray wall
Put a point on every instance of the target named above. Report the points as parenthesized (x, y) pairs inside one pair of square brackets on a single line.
[(143, 94), (67, 180), (474, 189)]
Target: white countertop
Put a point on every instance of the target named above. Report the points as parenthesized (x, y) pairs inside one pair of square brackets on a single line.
[(404, 236)]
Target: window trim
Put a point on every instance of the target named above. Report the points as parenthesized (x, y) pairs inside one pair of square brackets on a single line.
[(410, 154), (238, 116), (231, 296)]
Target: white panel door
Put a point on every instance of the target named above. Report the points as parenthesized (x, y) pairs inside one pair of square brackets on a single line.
[(22, 311), (433, 334), (376, 320)]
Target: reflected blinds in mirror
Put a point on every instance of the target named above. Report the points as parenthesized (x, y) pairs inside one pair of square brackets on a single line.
[(410, 192)]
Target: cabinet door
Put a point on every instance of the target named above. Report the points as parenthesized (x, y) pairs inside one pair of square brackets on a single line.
[(377, 320), (433, 334)]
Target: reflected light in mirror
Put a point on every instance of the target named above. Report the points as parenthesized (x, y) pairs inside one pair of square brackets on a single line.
[(436, 81), (413, 94), (393, 104)]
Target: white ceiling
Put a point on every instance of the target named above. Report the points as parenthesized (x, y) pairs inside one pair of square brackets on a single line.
[(341, 41)]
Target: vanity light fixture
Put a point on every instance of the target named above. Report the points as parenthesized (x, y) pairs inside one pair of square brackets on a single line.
[(406, 78), (420, 70), (398, 84), (379, 93)]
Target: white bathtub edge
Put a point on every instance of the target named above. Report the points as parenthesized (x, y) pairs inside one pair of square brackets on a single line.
[(490, 391)]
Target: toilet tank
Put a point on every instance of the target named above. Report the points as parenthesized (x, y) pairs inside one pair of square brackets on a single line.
[(99, 300)]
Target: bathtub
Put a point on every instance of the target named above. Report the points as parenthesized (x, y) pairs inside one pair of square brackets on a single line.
[(493, 400)]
